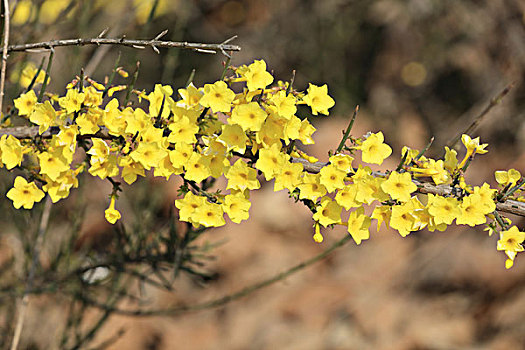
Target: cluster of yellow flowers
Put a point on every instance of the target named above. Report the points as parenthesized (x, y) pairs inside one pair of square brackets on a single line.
[(246, 136)]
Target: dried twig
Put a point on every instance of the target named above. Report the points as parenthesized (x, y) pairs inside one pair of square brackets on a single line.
[(4, 51), (477, 120), (135, 43)]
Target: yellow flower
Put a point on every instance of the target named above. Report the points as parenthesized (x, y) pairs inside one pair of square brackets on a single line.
[(197, 168), (444, 210), (217, 96), (237, 207), (434, 169), (107, 168), (240, 177), (382, 214), (188, 205), (373, 149), (318, 237), (472, 212), (148, 154), (289, 176), (26, 103), (52, 164), (511, 242), (346, 197), (209, 215), (399, 186), (183, 130), (328, 213), (59, 189), (190, 96), (509, 177), (181, 154), (249, 116), (24, 194), (73, 100), (342, 162), (29, 72), (161, 98), (318, 99), (233, 137), (284, 105), (451, 161), (92, 97), (256, 76), (402, 219), (473, 145), (332, 178), (114, 119), (111, 214), (44, 115), (358, 225), (485, 198), (12, 151), (130, 169), (88, 122), (270, 161), (310, 187), (305, 133)]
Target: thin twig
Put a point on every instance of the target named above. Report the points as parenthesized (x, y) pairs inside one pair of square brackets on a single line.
[(477, 120), (135, 43), (4, 52), (22, 307), (228, 298)]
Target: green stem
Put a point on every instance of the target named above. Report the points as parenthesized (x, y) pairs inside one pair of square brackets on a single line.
[(347, 131), (46, 79)]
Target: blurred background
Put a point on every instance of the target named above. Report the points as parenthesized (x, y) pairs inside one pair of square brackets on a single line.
[(417, 69)]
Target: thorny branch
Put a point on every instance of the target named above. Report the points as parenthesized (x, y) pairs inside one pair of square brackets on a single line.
[(135, 43)]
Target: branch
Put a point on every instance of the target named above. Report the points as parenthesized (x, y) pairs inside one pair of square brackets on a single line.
[(4, 51), (507, 206), (477, 120), (135, 43)]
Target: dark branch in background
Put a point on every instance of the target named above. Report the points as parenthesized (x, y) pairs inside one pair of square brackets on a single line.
[(4, 51), (452, 143), (134, 43), (226, 299)]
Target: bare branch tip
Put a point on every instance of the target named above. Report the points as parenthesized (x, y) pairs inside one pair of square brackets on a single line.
[(229, 40), (161, 34)]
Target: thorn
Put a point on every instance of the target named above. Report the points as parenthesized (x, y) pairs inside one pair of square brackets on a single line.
[(160, 35), (102, 33), (205, 51), (225, 53), (155, 49), (229, 40)]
